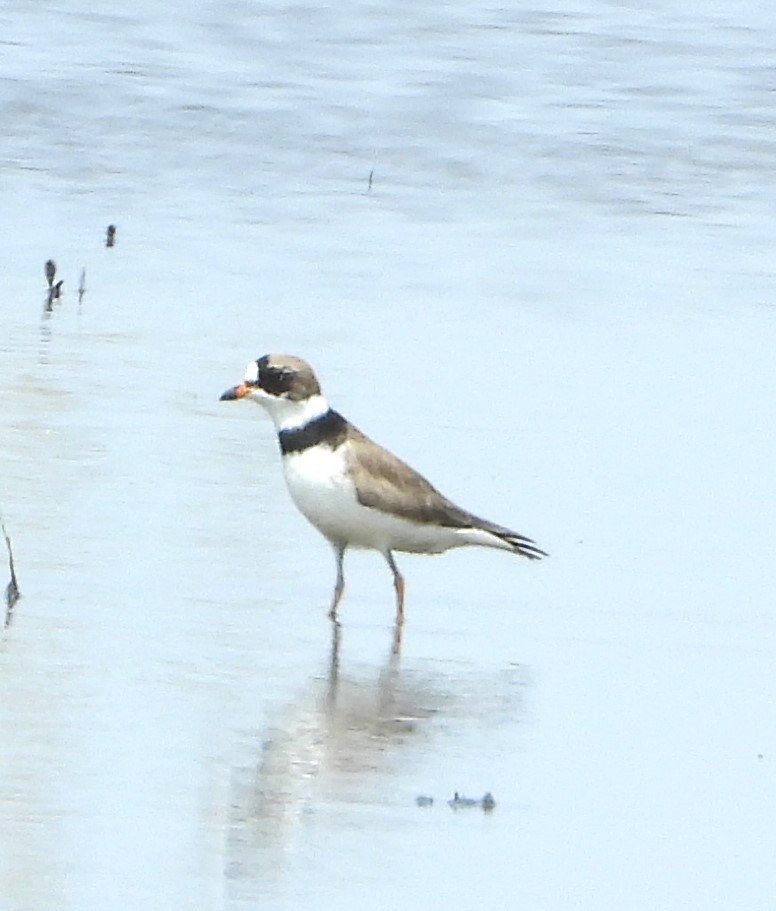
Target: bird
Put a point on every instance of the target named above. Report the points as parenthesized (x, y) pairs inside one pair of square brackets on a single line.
[(354, 492)]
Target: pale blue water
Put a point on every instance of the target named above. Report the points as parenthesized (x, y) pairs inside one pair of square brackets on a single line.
[(556, 300)]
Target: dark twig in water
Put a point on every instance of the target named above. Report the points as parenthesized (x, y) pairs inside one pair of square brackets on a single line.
[(12, 593), (371, 175), (81, 286), (51, 271), (110, 237), (54, 293)]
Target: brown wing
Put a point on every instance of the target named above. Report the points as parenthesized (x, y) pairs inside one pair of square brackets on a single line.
[(385, 482)]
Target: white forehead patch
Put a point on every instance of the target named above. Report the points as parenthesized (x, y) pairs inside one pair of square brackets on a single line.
[(251, 372)]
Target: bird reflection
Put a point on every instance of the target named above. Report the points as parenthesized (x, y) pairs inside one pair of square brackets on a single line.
[(334, 653), (330, 746), (383, 691)]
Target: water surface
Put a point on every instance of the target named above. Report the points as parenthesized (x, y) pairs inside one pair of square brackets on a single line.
[(556, 300)]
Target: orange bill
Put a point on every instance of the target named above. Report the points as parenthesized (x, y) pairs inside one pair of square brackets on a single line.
[(237, 392)]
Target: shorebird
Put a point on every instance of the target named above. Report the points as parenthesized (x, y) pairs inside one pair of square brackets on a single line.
[(356, 493)]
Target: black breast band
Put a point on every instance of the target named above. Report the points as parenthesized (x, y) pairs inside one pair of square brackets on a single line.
[(329, 429)]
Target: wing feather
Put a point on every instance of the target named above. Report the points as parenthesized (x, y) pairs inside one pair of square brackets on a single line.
[(385, 482)]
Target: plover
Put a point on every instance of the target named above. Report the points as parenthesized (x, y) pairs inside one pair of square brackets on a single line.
[(356, 493)]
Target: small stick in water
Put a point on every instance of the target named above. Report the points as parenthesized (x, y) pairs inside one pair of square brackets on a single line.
[(110, 238), (82, 286), (371, 175), (12, 593), (54, 293)]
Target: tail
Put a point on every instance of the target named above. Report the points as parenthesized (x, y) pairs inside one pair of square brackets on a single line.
[(520, 544), (487, 534)]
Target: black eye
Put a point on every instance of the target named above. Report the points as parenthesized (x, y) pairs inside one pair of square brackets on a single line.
[(275, 380)]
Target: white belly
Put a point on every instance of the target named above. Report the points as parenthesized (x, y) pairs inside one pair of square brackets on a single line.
[(324, 494)]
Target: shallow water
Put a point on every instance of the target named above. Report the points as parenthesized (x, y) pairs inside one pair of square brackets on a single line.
[(556, 300)]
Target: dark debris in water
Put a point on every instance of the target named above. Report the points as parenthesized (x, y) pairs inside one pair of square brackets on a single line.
[(459, 802), (54, 288), (12, 593), (55, 291)]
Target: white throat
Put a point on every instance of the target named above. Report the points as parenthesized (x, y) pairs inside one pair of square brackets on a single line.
[(289, 415)]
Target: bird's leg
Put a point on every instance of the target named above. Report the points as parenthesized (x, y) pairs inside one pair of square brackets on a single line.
[(334, 662), (398, 627), (339, 586), (398, 584)]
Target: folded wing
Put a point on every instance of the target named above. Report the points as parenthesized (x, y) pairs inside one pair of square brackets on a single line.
[(395, 487)]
